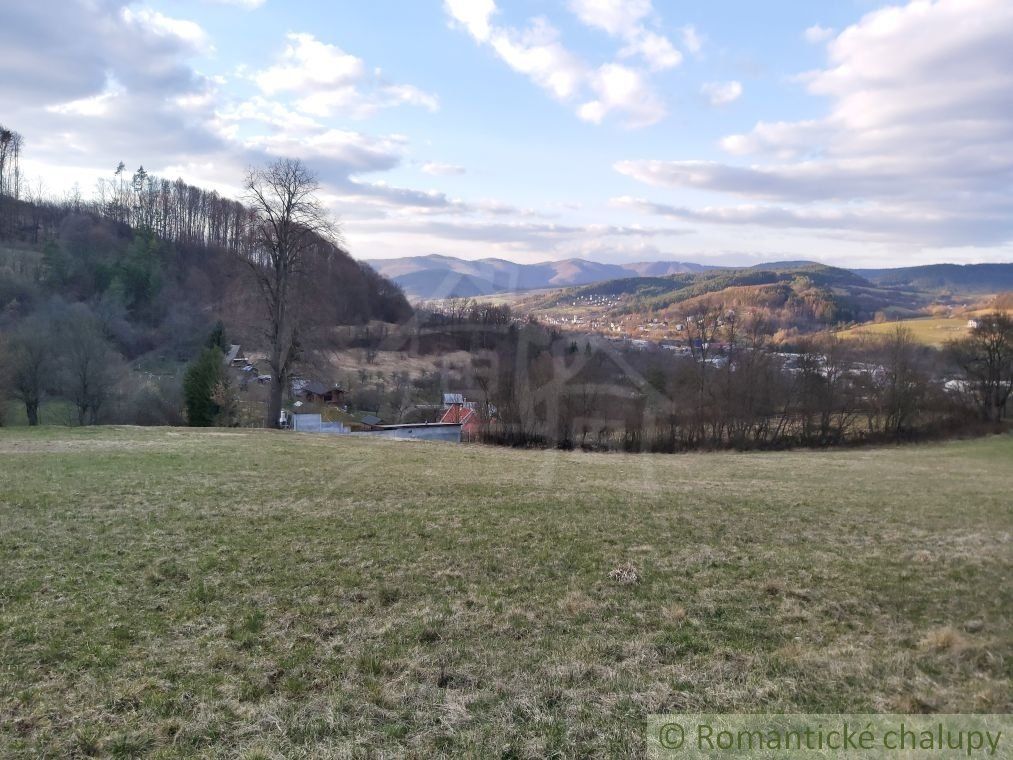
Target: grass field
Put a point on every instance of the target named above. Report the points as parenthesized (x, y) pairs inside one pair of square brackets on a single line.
[(254, 594), (931, 331)]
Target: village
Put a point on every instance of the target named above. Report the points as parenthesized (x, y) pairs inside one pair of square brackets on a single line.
[(323, 408)]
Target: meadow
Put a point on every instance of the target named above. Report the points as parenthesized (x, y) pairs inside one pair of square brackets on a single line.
[(930, 331), (219, 593)]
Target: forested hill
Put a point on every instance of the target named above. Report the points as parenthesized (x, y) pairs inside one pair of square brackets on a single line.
[(802, 295), (153, 261), (954, 278)]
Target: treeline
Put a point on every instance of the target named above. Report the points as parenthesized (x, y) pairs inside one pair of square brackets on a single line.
[(149, 266), (730, 388)]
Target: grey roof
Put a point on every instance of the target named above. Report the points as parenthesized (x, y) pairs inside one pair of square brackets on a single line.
[(314, 387), (371, 419)]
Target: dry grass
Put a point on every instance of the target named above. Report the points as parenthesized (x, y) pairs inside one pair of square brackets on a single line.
[(931, 331), (179, 593)]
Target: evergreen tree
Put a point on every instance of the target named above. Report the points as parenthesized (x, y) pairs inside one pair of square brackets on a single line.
[(218, 339), (202, 377)]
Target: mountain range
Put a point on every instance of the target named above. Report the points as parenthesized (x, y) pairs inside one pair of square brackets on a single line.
[(436, 276)]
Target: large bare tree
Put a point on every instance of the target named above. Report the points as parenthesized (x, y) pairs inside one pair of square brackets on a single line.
[(290, 226), (986, 356)]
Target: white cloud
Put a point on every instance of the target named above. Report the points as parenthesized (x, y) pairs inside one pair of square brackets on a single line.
[(325, 80), (347, 152), (722, 93), (437, 169), (621, 18), (537, 52), (188, 32), (816, 34), (626, 19), (919, 129), (247, 4), (691, 39), (93, 105), (656, 50), (621, 88), (308, 65), (872, 222), (473, 15)]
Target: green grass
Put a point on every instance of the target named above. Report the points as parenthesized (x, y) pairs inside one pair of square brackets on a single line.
[(930, 331), (51, 412), (177, 593)]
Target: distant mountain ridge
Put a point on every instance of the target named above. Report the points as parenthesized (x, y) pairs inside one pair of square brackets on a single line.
[(958, 278), (437, 276)]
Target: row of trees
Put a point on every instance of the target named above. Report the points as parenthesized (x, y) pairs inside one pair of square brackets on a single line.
[(731, 388), (156, 258), (174, 210), (61, 352), (11, 180)]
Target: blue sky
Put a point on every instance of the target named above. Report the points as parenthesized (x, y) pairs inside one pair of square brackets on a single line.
[(857, 133)]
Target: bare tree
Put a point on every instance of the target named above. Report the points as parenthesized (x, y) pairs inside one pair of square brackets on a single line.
[(289, 226), (31, 362), (90, 367), (986, 357)]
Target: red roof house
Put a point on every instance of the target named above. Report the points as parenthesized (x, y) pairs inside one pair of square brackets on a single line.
[(468, 419)]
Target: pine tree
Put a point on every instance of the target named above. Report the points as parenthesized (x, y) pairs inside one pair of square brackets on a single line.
[(199, 383)]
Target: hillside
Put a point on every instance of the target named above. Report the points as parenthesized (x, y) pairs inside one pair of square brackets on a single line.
[(790, 295), (159, 286), (246, 593), (953, 278), (433, 277)]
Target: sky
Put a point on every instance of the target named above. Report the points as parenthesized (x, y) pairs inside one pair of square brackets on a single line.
[(852, 132)]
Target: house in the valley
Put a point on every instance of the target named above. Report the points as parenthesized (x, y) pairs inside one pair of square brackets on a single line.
[(371, 422), (313, 392), (457, 410)]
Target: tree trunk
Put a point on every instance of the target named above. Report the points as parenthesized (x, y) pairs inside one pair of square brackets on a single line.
[(32, 410), (274, 402)]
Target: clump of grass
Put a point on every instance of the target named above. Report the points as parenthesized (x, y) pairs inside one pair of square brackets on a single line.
[(130, 746), (246, 633), (202, 592), (946, 639), (625, 574), (674, 614), (577, 604), (166, 570), (87, 741), (388, 595)]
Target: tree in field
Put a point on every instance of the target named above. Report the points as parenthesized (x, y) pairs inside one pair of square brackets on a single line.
[(900, 387), (31, 362), (290, 226), (90, 367), (200, 383), (986, 357)]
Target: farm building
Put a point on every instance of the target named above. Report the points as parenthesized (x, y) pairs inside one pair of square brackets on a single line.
[(312, 392), (314, 423), (458, 410), (466, 417)]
